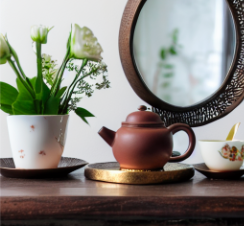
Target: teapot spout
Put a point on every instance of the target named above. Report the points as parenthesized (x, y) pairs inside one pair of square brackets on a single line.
[(108, 135)]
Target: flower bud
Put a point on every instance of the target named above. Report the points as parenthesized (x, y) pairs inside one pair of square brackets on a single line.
[(84, 45), (4, 50), (39, 33)]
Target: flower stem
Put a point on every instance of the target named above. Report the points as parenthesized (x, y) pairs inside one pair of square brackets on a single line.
[(20, 70), (65, 105), (84, 63), (66, 98), (59, 75), (39, 80), (12, 64)]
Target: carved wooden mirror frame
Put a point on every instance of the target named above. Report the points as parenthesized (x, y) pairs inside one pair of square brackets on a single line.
[(223, 101)]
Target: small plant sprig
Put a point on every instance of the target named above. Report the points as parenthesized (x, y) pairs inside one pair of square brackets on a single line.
[(92, 70), (43, 94), (167, 68), (48, 69)]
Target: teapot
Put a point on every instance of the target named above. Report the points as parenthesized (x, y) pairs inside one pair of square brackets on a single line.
[(144, 143)]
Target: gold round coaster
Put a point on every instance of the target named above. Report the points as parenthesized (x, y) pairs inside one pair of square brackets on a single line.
[(110, 172)]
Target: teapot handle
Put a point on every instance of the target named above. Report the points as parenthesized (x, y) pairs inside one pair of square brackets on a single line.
[(192, 140)]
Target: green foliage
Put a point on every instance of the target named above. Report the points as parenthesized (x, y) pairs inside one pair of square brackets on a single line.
[(169, 75), (23, 92), (52, 106), (7, 97), (61, 92), (48, 69), (24, 103), (24, 107), (165, 84), (104, 85), (6, 108), (84, 87), (175, 35), (172, 50), (83, 114), (43, 94), (89, 70), (168, 66), (165, 53), (8, 93)]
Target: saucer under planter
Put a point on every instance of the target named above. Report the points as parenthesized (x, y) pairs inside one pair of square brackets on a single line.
[(110, 172), (65, 166), (37, 141)]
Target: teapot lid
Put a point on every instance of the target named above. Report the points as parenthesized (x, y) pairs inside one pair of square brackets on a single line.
[(143, 118)]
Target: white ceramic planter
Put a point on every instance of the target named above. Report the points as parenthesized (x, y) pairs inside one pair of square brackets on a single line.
[(37, 141), (222, 155)]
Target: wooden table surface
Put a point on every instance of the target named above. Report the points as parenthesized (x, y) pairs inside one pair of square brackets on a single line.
[(75, 197)]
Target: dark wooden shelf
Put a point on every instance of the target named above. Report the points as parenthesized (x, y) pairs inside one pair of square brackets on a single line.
[(76, 198)]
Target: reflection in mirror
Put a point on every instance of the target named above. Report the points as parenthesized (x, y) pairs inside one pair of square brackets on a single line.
[(183, 49)]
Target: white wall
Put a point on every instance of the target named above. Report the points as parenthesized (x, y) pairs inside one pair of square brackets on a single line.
[(110, 106)]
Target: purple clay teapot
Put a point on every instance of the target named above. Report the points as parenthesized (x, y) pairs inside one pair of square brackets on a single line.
[(144, 143)]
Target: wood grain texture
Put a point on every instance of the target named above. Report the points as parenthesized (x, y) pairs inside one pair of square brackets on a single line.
[(74, 197), (193, 222), (120, 207), (229, 95)]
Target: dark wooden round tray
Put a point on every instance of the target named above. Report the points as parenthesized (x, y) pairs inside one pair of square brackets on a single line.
[(66, 165), (110, 172), (211, 174)]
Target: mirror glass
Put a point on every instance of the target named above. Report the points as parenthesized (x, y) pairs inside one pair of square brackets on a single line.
[(183, 49)]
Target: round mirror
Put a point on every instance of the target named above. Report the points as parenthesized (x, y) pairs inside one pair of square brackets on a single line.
[(183, 50)]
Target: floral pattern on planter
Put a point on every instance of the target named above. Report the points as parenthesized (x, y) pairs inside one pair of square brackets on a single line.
[(42, 153), (22, 155), (233, 154)]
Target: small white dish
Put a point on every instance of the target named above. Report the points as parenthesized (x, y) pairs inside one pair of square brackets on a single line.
[(222, 155)]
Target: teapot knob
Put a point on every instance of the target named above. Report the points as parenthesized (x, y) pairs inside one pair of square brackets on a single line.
[(142, 108)]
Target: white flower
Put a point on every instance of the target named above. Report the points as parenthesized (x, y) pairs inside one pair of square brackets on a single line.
[(4, 50), (39, 33), (83, 44)]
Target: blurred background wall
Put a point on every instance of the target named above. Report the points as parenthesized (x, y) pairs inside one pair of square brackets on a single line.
[(110, 106)]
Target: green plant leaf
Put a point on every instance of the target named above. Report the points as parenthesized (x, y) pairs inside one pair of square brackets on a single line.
[(25, 95), (29, 82), (33, 81), (6, 108), (24, 104), (165, 84), (61, 92), (83, 114), (52, 106), (168, 75), (45, 94), (24, 107), (163, 54), (175, 36), (172, 50), (41, 98), (168, 66), (8, 94)]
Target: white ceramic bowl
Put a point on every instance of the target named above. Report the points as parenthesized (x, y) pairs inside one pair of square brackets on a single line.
[(37, 141), (222, 155)]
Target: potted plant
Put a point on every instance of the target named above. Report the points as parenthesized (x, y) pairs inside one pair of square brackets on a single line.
[(39, 108)]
